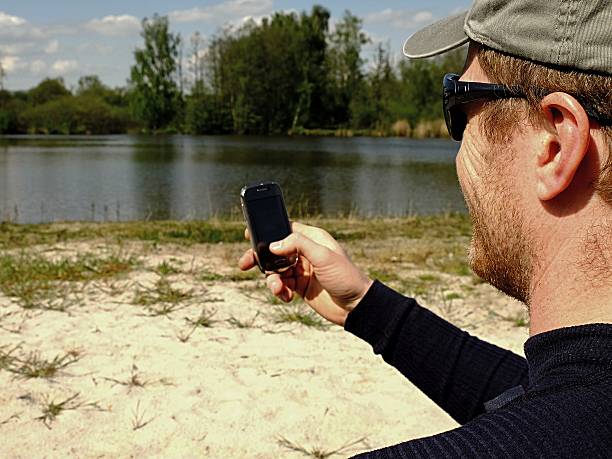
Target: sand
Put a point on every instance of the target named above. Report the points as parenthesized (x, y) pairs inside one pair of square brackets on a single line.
[(155, 386)]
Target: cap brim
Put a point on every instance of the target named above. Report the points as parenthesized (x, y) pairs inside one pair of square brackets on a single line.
[(437, 38)]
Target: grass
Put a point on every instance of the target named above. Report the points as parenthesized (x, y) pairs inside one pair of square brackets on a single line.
[(231, 230), (162, 299), (139, 419), (213, 231), (52, 409), (316, 451), (34, 366), (166, 268), (236, 276), (134, 380), (237, 323), (299, 314), (37, 282), (203, 320)]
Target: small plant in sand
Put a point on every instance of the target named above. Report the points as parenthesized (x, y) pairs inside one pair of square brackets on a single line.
[(139, 419), (299, 314), (9, 419), (162, 299), (205, 319), (166, 268), (52, 409), (6, 356), (34, 366), (249, 323), (134, 380), (318, 452)]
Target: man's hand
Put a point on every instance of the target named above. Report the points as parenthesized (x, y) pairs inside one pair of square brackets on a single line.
[(324, 275)]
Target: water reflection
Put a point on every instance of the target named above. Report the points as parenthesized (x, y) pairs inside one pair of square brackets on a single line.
[(182, 177)]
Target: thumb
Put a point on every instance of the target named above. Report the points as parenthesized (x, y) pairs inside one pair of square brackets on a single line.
[(316, 254)]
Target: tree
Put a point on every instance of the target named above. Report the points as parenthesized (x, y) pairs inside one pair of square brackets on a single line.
[(345, 64), (2, 76), (47, 90), (156, 97), (371, 105)]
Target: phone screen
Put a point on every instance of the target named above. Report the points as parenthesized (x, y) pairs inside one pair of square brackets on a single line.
[(268, 220)]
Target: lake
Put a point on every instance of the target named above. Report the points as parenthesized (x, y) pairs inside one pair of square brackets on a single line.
[(56, 178)]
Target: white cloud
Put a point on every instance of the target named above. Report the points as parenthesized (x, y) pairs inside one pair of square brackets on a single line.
[(6, 20), (230, 10), (399, 19), (114, 25), (15, 48), (38, 66), (11, 64), (64, 66), (52, 47), (18, 28)]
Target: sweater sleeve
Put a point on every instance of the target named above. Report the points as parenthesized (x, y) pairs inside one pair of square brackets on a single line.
[(457, 371)]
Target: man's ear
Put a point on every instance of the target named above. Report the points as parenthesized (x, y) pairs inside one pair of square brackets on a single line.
[(565, 144)]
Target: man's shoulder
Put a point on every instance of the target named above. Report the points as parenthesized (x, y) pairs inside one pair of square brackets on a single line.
[(569, 422)]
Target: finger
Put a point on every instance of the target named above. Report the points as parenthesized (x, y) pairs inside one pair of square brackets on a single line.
[(286, 295), (247, 234), (247, 260), (316, 253), (275, 284), (316, 234)]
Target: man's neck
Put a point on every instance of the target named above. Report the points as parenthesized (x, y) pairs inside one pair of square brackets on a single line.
[(571, 291)]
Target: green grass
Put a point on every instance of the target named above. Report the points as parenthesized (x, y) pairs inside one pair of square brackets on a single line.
[(231, 229), (299, 314), (34, 366), (236, 276), (52, 409), (383, 275), (33, 279), (166, 268), (162, 298)]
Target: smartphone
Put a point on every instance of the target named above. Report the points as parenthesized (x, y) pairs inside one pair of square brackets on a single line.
[(266, 217)]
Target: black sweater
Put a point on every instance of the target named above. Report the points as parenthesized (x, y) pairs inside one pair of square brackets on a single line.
[(555, 403)]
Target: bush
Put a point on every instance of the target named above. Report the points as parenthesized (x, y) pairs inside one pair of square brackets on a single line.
[(76, 115)]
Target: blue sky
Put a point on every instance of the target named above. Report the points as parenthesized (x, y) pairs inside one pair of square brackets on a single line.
[(71, 38)]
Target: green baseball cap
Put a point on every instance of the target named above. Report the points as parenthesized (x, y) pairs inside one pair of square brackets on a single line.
[(575, 34)]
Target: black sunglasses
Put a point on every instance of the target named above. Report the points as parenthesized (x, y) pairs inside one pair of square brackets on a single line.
[(457, 93)]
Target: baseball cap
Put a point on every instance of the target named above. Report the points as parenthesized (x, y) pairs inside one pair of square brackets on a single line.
[(576, 34)]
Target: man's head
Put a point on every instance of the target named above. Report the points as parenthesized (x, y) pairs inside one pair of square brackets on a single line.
[(536, 166)]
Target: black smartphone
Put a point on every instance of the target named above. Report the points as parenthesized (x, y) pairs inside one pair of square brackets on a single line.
[(266, 217)]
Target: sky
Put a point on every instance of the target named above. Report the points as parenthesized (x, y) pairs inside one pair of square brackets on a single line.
[(72, 38)]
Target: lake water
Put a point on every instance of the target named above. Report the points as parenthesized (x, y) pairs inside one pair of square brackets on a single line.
[(55, 178)]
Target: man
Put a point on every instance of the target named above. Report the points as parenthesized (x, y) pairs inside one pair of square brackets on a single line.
[(535, 166)]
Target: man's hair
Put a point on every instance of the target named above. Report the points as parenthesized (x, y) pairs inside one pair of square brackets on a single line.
[(502, 117)]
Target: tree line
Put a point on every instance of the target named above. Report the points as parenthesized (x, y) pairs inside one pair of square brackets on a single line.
[(289, 73)]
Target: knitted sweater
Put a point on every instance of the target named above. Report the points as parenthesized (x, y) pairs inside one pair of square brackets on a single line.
[(555, 403)]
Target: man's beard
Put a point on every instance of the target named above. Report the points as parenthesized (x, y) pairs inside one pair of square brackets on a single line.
[(501, 251)]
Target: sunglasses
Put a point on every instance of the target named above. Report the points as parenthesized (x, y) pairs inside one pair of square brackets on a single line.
[(458, 93)]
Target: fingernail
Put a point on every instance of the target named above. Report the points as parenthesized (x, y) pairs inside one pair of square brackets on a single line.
[(276, 245), (274, 285)]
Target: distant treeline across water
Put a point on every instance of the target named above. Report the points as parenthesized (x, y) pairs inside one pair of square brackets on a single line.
[(290, 73)]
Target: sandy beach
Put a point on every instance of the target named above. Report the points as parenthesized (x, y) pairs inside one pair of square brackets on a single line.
[(167, 350)]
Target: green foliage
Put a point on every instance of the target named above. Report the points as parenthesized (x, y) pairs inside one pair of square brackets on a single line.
[(47, 90), (288, 73), (85, 114), (156, 98)]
